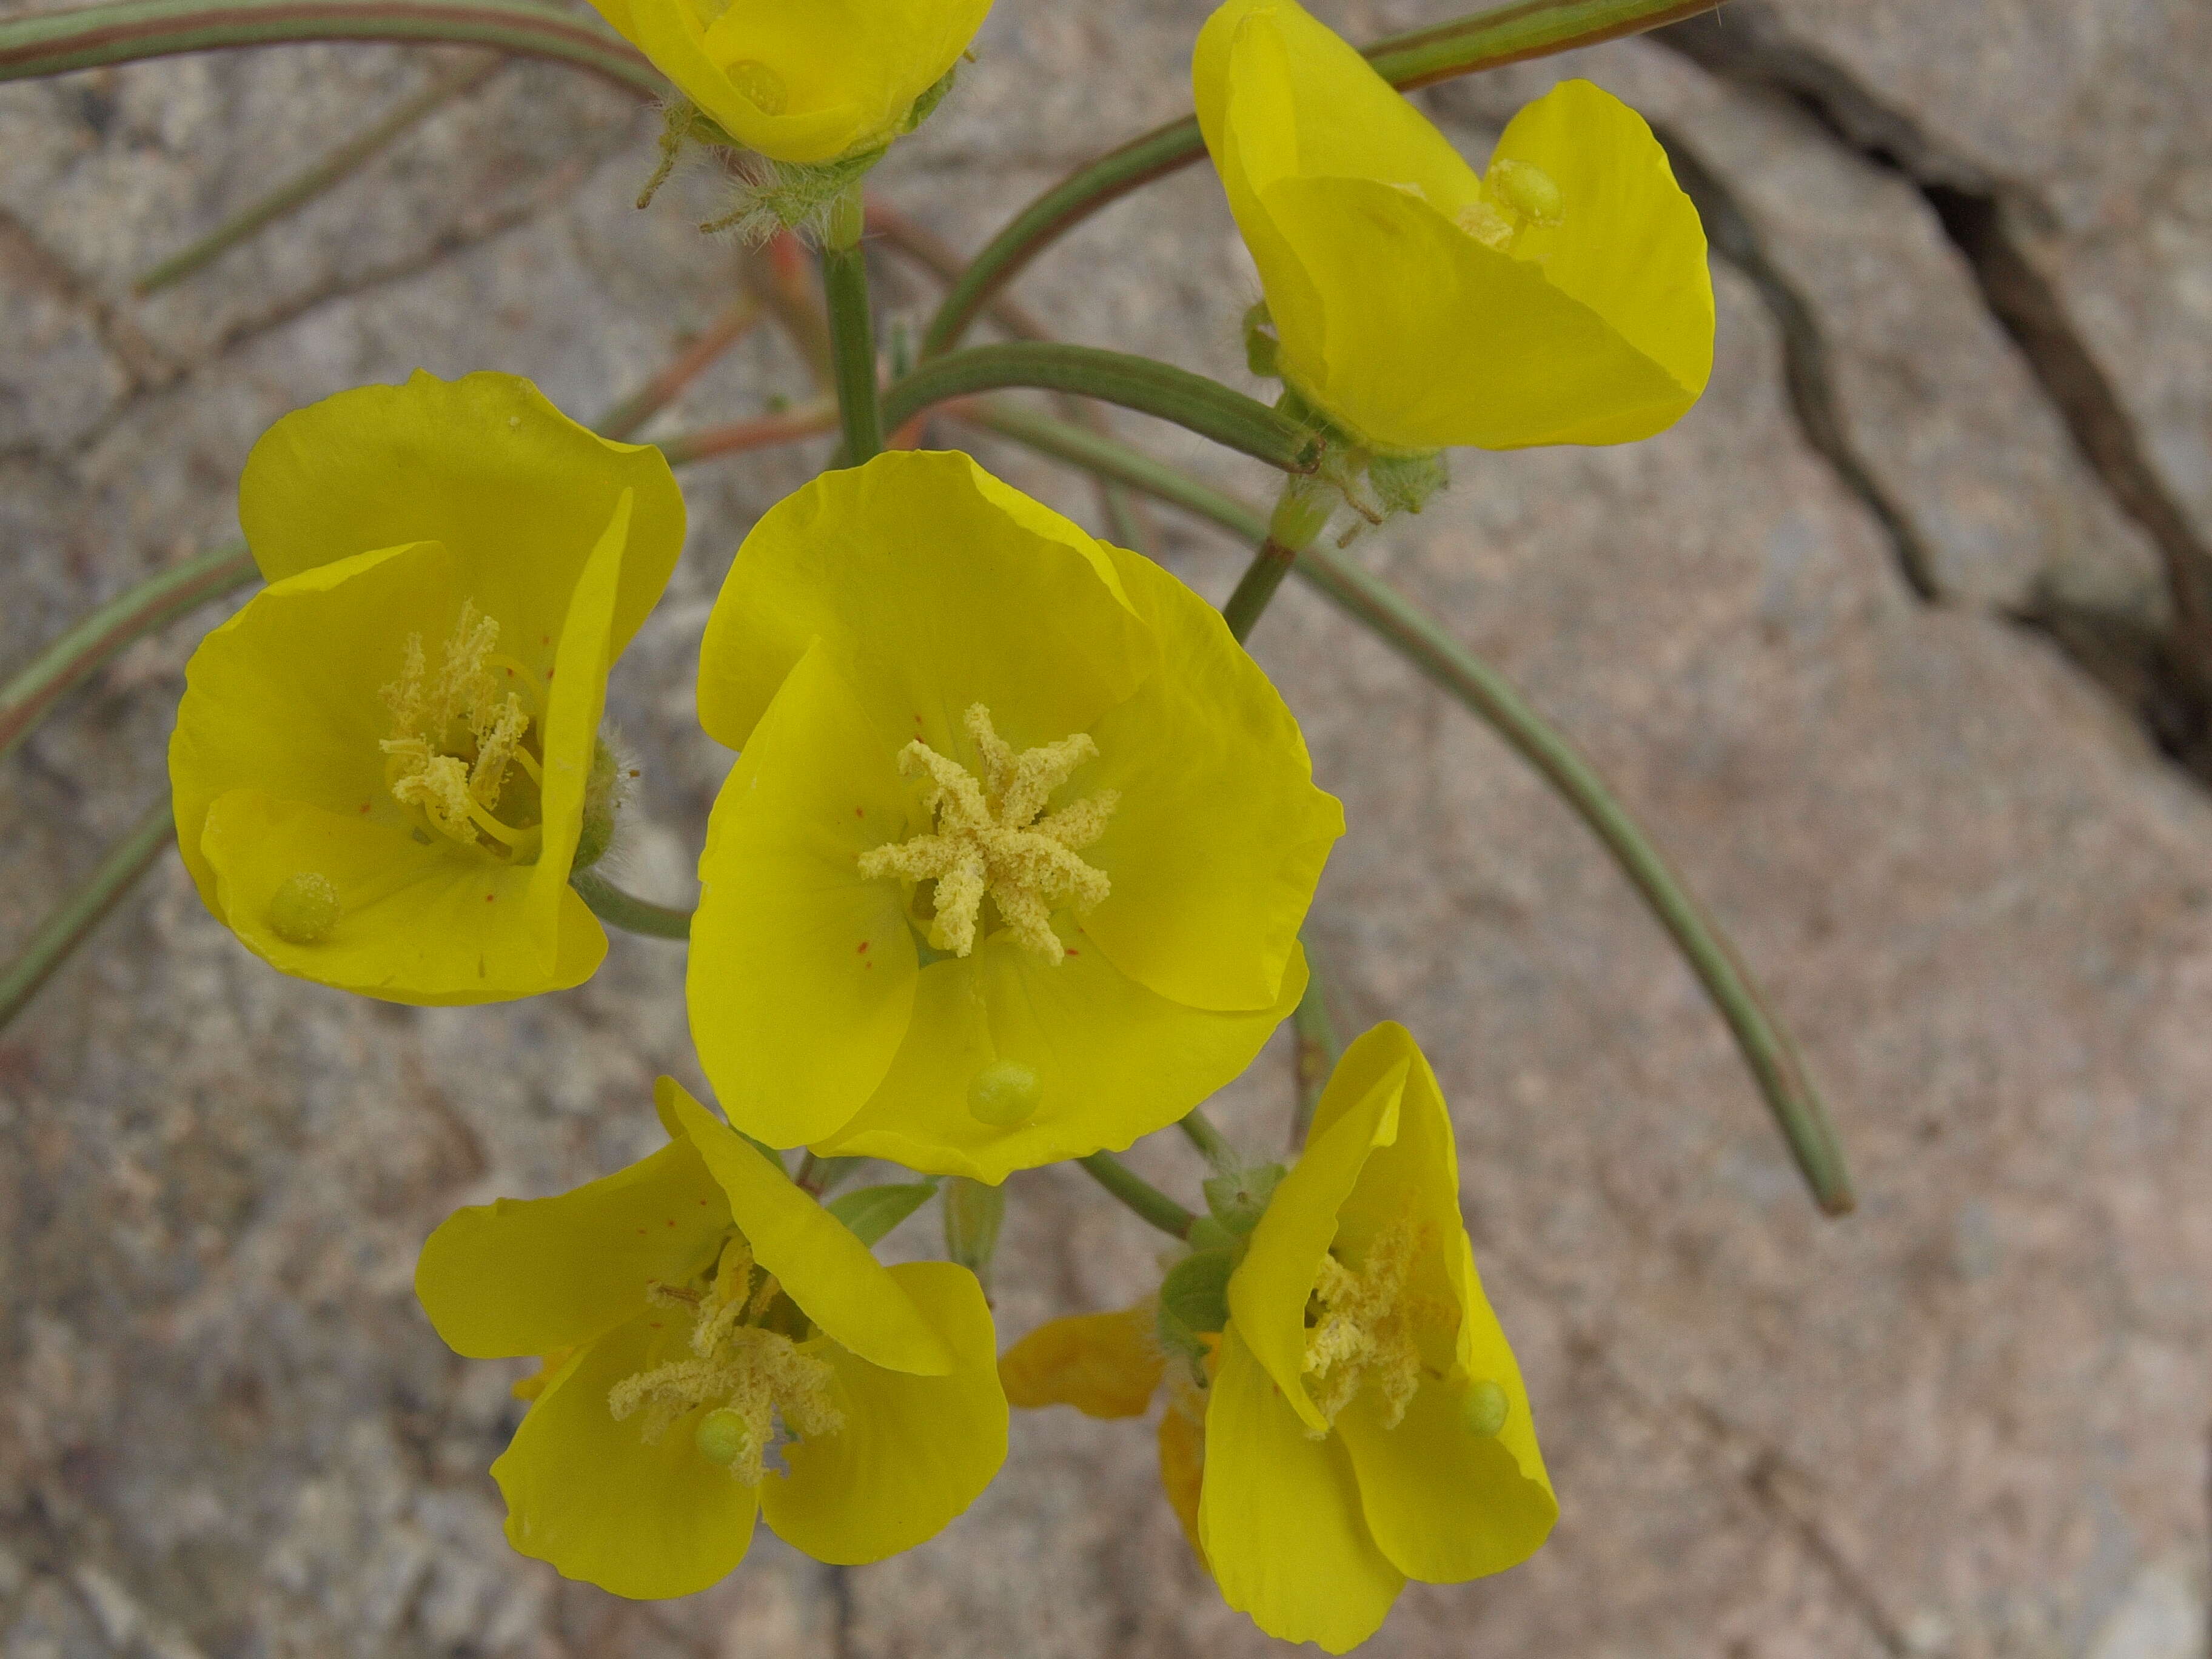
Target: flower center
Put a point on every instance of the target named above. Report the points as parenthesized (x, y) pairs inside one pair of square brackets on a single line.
[(745, 1371), (456, 740), (992, 838), (1515, 196), (1364, 1325)]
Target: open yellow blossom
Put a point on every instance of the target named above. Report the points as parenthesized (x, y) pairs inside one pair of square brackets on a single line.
[(1559, 297), (809, 82), (381, 763), (1012, 865), (1366, 1423), (716, 1346), (1353, 1416)]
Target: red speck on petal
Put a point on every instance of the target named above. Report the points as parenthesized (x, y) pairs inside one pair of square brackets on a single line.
[(857, 812), (672, 1223), (545, 639), (702, 1203), (489, 897), (1075, 953), (863, 945), (641, 1232)]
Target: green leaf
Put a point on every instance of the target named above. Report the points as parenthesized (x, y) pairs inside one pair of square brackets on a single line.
[(872, 1212)]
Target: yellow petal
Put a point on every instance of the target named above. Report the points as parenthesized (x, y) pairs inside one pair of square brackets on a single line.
[(1182, 1462), (528, 1276), (1104, 1364), (1113, 1061), (1442, 1502), (856, 1301), (425, 925), (483, 463), (1631, 249), (587, 1494), (933, 586), (1269, 1291), (286, 695), (1433, 339), (914, 1452), (843, 73), (1404, 328), (1220, 834), (802, 975), (576, 699), (1280, 1518)]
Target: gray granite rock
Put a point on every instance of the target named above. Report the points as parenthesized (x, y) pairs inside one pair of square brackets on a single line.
[(1968, 1421)]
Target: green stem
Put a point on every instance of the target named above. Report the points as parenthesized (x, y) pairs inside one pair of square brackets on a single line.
[(632, 915), (1139, 1194), (1301, 514), (95, 640), (1108, 457), (1505, 34), (1319, 1046), (1767, 1048), (1191, 401), (90, 37), (303, 187), (852, 331), (81, 912), (1212, 1146)]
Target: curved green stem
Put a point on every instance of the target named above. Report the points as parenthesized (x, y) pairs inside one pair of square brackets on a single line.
[(1506, 34), (1767, 1048), (304, 187), (851, 331), (1211, 1144), (1139, 1194), (93, 642), (1191, 401), (81, 912), (632, 915), (90, 37)]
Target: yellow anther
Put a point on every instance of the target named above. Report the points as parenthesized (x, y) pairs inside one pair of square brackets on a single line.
[(456, 734), (1004, 1093), (989, 840), (1484, 1407), (760, 86), (1366, 1332), (749, 1376), (305, 909)]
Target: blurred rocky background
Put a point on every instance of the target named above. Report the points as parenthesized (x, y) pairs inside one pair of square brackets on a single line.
[(1881, 642)]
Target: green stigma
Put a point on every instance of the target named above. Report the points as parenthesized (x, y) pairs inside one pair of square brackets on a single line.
[(722, 1437), (1484, 1408), (760, 86), (1004, 1093), (305, 909)]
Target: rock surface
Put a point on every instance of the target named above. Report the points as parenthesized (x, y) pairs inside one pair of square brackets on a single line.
[(1969, 1420)]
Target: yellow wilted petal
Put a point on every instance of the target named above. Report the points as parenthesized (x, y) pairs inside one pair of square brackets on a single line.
[(1104, 1364), (1182, 1462), (586, 1493), (1280, 1518), (854, 1299), (528, 1276), (914, 1452)]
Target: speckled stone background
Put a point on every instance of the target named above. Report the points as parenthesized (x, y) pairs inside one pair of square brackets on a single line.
[(1813, 634)]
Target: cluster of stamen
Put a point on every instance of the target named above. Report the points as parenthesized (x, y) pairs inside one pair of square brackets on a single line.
[(1515, 196), (992, 838), (1367, 1325), (454, 738), (735, 1365)]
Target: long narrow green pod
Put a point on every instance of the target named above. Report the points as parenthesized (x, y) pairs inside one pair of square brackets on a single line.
[(54, 43), (1506, 34)]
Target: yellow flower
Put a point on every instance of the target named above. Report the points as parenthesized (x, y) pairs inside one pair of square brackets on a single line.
[(804, 82), (381, 764), (686, 1306), (1367, 1423), (1011, 865), (1560, 297), (1362, 1420)]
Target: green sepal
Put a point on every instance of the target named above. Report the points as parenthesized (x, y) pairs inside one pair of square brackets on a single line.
[(1239, 1198)]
